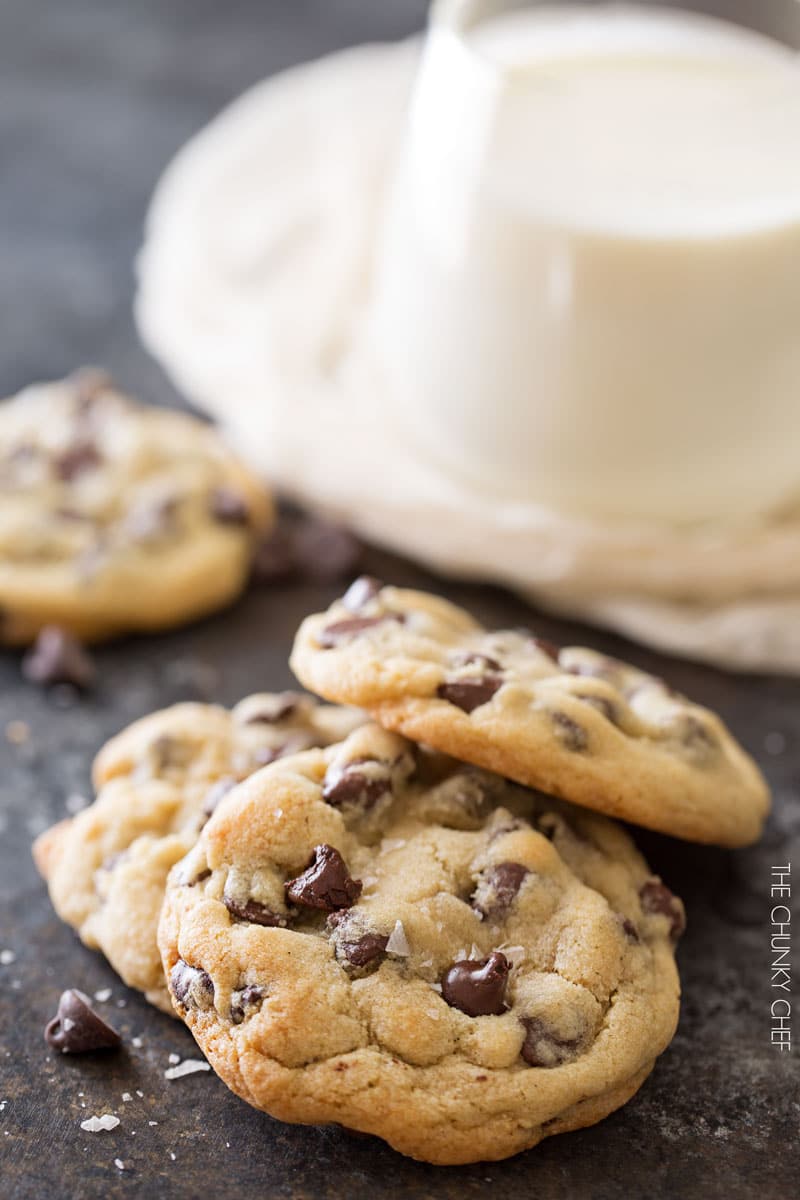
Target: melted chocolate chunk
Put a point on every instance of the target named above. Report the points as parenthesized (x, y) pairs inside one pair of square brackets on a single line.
[(77, 1029), (477, 988), (246, 1001), (58, 657), (657, 898), (542, 1047), (364, 950), (255, 912), (191, 986), (347, 784), (361, 592), (77, 459), (572, 735), (325, 883), (498, 888), (350, 627), (628, 928), (547, 647), (323, 551), (228, 506), (469, 693)]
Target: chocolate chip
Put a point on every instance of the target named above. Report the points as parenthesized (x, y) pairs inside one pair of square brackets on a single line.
[(228, 506), (350, 627), (216, 792), (255, 912), (628, 928), (697, 736), (572, 735), (547, 647), (273, 560), (361, 592), (76, 460), (477, 988), (245, 1002), (364, 950), (191, 986), (348, 784), (77, 1029), (469, 658), (324, 551), (470, 693), (498, 888), (603, 705), (272, 709), (657, 898), (543, 1048), (58, 657), (325, 883)]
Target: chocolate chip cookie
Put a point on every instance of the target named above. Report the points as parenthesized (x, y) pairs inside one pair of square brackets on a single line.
[(568, 720), (115, 517), (158, 782), (377, 935)]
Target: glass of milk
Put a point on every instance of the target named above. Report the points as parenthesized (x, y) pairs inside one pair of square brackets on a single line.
[(587, 293)]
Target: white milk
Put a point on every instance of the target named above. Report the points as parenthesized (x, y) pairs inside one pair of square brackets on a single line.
[(589, 287)]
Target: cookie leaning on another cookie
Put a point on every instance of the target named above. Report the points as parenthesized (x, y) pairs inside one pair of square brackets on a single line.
[(570, 721), (158, 782), (380, 936), (116, 517)]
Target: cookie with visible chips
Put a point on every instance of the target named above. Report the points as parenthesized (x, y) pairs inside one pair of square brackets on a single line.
[(575, 723), (116, 517), (381, 936), (158, 782)]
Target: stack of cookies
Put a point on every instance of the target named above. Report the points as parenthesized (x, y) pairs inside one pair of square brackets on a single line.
[(408, 912)]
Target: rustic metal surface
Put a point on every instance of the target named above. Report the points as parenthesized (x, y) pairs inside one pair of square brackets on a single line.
[(94, 97)]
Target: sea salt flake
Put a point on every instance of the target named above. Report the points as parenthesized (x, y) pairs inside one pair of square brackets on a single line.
[(126, 1096), (174, 1058), (152, 1122), (398, 942), (96, 1124), (7, 957), (103, 995), (140, 1094), (137, 1043), (188, 1067), (120, 1165), (390, 844)]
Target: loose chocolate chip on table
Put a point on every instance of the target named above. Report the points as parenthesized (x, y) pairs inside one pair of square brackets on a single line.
[(657, 898), (76, 460), (361, 592), (341, 631), (477, 988), (77, 1029), (542, 1047), (324, 551), (349, 784), (228, 506), (501, 882), (58, 657), (255, 912), (191, 986), (325, 883), (570, 733), (470, 693)]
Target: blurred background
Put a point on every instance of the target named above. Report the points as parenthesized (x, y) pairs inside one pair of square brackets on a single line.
[(95, 98)]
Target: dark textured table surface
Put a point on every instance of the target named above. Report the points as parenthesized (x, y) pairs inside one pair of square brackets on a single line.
[(94, 98)]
